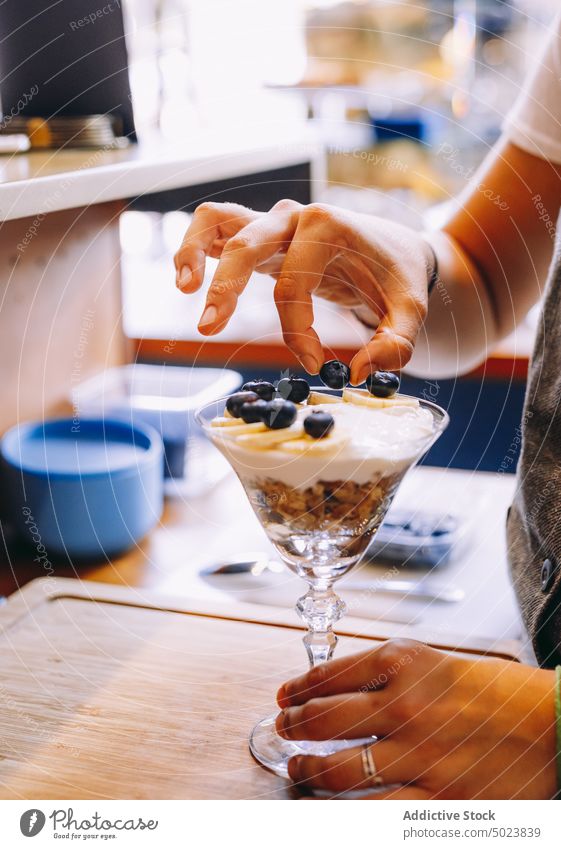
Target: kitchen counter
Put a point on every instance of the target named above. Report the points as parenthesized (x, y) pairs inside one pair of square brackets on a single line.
[(42, 182)]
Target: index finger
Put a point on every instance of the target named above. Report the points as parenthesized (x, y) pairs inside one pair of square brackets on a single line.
[(367, 670), (242, 254)]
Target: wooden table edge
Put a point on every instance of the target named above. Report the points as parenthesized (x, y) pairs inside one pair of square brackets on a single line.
[(23, 602)]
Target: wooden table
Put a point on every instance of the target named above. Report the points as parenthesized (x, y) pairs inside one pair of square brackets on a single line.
[(141, 681), (111, 693)]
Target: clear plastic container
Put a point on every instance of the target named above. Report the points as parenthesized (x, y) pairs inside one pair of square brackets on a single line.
[(163, 396)]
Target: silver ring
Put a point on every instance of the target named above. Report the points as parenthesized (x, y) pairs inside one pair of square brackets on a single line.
[(369, 766)]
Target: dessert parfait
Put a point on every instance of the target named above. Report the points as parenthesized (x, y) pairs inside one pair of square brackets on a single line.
[(320, 466)]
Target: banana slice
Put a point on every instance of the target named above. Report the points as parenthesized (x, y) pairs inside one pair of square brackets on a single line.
[(237, 428), (363, 398), (323, 398), (270, 438), (401, 401), (307, 445)]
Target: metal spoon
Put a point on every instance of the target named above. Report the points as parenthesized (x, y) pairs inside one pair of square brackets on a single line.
[(425, 588)]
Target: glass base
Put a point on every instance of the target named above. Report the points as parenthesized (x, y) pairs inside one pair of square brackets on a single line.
[(274, 752)]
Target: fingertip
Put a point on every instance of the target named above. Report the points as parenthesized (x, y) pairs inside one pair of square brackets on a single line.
[(294, 768), (185, 275), (190, 270), (208, 319), (310, 363), (282, 699), (358, 378), (183, 281), (360, 370), (213, 320), (191, 287), (279, 725)]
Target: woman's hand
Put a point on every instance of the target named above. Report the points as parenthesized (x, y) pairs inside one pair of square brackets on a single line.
[(448, 728), (352, 259)]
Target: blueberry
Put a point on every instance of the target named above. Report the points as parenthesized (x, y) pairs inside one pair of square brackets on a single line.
[(335, 374), (293, 389), (279, 413), (262, 388), (319, 424), (235, 401), (382, 384), (254, 411)]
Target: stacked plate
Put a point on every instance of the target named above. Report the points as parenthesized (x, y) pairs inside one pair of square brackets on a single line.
[(66, 131)]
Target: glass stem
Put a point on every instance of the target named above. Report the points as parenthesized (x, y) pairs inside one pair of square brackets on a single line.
[(320, 609)]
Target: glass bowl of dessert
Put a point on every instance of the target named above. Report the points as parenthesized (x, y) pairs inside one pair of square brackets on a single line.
[(320, 467)]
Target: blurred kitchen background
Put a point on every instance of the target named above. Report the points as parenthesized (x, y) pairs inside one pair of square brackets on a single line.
[(405, 99), (379, 106)]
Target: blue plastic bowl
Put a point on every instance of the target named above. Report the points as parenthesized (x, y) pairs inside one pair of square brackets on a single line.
[(82, 489)]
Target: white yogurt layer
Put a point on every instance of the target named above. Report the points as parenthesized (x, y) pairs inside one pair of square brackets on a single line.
[(377, 442)]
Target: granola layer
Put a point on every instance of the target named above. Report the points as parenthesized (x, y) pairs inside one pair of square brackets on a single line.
[(350, 506)]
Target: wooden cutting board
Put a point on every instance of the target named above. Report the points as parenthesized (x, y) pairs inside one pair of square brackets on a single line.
[(106, 692)]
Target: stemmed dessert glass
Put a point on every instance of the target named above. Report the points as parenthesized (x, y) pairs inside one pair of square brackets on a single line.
[(320, 531)]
